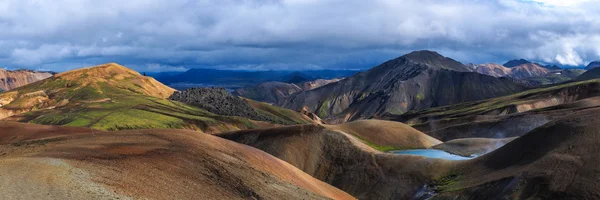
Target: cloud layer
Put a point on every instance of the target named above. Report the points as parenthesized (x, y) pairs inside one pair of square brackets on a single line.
[(154, 35)]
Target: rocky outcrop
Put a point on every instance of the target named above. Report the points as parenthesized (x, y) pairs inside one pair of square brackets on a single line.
[(12, 79), (418, 80)]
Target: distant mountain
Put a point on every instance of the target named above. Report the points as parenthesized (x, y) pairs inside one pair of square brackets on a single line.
[(516, 62), (237, 79), (528, 70), (418, 80), (493, 69), (13, 79), (552, 67), (593, 65), (272, 92)]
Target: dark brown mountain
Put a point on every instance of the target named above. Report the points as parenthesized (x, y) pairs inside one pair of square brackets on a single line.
[(418, 80), (515, 62)]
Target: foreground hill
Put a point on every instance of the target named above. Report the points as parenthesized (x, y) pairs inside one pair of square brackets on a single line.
[(418, 80), (48, 162), (13, 79), (109, 97), (508, 116), (347, 156)]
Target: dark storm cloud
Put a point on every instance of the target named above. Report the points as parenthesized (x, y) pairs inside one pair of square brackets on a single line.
[(157, 35)]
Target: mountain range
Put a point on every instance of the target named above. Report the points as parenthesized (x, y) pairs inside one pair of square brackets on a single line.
[(418, 80), (420, 126), (236, 79)]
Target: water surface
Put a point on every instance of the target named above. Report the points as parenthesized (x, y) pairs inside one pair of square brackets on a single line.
[(432, 153)]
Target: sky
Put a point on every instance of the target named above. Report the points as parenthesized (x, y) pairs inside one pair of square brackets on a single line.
[(176, 35)]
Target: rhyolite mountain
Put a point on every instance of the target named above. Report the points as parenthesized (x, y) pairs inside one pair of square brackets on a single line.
[(527, 70), (418, 80), (493, 69), (13, 79), (593, 65)]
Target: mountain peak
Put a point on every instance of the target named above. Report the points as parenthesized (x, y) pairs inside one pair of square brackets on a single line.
[(435, 60), (593, 65), (516, 62)]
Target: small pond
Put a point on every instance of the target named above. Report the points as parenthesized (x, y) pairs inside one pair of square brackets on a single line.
[(432, 153)]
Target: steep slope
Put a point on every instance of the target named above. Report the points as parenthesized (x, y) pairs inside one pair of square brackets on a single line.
[(527, 70), (593, 73), (492, 69), (48, 162), (507, 116), (108, 97), (13, 79), (270, 92), (347, 160), (593, 65), (281, 114), (516, 62), (418, 80)]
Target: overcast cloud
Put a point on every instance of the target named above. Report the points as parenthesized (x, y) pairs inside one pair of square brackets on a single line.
[(175, 35)]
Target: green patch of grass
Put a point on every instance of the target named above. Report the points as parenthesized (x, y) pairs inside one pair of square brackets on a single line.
[(420, 97), (382, 148), (323, 110), (446, 183)]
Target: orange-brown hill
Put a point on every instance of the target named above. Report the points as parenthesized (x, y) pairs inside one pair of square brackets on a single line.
[(48, 162), (113, 97), (342, 156)]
